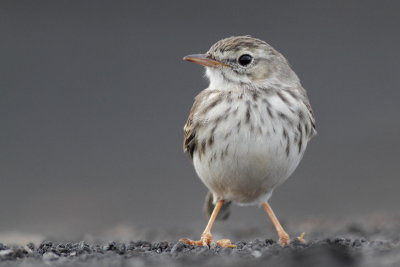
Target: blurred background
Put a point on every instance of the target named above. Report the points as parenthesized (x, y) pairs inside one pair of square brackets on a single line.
[(94, 95)]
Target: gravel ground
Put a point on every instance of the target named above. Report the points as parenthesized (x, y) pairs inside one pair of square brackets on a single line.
[(369, 241)]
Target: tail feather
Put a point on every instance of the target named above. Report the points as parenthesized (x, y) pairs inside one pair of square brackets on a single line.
[(209, 207)]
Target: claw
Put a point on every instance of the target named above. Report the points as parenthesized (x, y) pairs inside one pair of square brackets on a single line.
[(225, 243), (188, 241), (301, 238), (284, 240), (206, 238), (207, 241)]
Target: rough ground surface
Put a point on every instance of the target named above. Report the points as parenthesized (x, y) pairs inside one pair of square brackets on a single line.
[(370, 241)]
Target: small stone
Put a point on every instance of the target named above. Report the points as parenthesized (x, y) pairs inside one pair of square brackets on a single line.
[(359, 242), (339, 240), (146, 244), (50, 256), (31, 246), (120, 248), (83, 247), (6, 252), (109, 246), (28, 249), (159, 247), (46, 244), (269, 242), (131, 246), (45, 247), (256, 254), (20, 252), (178, 247)]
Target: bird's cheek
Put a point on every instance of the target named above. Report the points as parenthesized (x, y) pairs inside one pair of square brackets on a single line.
[(260, 73)]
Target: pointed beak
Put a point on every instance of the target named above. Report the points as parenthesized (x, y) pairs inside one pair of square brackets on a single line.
[(204, 60)]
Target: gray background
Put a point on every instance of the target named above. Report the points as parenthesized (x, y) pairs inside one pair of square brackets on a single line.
[(94, 95)]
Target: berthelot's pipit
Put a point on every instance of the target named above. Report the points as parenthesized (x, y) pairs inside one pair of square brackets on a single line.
[(247, 132)]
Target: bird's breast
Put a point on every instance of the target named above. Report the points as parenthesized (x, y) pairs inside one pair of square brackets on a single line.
[(248, 143)]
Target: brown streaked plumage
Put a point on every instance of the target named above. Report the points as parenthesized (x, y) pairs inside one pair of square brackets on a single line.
[(247, 132)]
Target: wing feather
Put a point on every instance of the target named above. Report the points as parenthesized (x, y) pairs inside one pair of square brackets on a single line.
[(190, 128)]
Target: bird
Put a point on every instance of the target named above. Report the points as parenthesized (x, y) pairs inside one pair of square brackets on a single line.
[(248, 130)]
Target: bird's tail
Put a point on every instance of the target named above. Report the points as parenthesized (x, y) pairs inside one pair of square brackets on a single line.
[(209, 207)]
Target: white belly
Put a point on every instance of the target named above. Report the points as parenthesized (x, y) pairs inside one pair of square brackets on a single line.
[(248, 158)]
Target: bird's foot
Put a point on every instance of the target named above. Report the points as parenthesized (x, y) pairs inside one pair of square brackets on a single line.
[(284, 239), (301, 238), (206, 240), (225, 243)]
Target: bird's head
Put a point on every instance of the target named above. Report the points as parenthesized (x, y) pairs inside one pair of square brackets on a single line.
[(244, 61)]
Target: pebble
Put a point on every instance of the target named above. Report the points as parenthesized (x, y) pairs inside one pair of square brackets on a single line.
[(50, 256), (256, 254), (6, 252), (51, 253)]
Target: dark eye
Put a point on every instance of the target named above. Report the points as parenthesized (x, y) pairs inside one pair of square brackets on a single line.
[(245, 59)]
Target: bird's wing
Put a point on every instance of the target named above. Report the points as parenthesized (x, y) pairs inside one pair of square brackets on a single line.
[(311, 116), (190, 128), (189, 137)]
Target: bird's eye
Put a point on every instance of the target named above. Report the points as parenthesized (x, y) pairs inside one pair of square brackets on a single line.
[(245, 59)]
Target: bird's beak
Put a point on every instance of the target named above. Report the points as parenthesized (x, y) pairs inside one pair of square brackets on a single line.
[(204, 60)]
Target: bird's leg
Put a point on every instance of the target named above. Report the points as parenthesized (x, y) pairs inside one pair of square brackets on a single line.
[(206, 237), (284, 238)]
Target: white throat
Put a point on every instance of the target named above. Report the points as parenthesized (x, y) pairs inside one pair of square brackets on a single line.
[(226, 80), (218, 81)]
